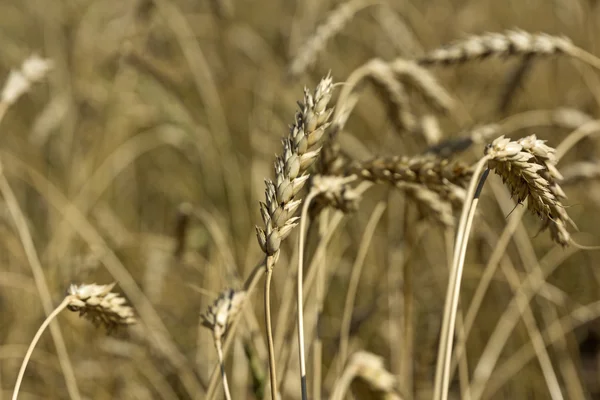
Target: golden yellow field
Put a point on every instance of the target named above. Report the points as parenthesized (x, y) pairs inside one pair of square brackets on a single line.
[(169, 147)]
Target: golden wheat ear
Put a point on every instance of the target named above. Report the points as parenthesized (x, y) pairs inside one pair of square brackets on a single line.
[(101, 306), (528, 168), (96, 302)]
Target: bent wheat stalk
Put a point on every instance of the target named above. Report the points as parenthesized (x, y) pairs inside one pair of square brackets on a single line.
[(442, 372), (95, 302)]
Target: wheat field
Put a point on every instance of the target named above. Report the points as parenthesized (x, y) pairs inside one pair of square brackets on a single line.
[(358, 199)]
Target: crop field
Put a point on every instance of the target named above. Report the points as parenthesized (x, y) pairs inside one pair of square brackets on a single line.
[(260, 199)]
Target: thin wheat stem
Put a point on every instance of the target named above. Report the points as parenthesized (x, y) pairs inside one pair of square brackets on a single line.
[(442, 372), (355, 279), (486, 278), (409, 315), (272, 367), (320, 298), (36, 338), (300, 305), (510, 317), (582, 55), (219, 347), (588, 129)]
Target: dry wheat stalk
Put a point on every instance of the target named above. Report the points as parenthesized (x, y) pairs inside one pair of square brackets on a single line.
[(580, 171), (423, 83), (527, 167), (392, 79), (335, 22), (300, 150), (509, 43), (99, 305), (217, 319), (393, 93), (95, 302)]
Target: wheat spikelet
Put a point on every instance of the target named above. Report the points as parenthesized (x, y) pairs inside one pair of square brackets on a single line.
[(300, 149), (509, 43), (222, 311), (101, 306), (335, 22), (527, 167)]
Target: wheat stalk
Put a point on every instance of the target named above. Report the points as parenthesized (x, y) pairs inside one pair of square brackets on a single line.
[(300, 149), (96, 302), (580, 171)]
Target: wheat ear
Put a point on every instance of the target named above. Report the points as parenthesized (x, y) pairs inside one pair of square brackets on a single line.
[(96, 302), (528, 168), (300, 149), (509, 43), (217, 319)]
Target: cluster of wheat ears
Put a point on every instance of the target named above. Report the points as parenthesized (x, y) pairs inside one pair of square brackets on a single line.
[(313, 175)]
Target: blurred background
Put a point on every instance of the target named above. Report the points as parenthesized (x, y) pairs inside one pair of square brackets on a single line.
[(141, 158)]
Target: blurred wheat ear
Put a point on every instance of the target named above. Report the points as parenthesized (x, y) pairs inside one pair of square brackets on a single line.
[(96, 302)]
